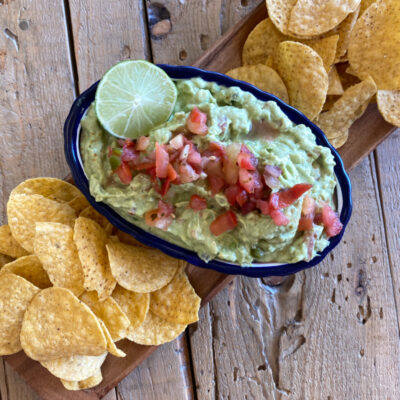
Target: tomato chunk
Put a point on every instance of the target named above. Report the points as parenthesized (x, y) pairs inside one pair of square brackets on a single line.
[(177, 142), (231, 193), (216, 184), (263, 206), (246, 159), (307, 214), (124, 173), (230, 167), (194, 159), (287, 197), (223, 223), (197, 203), (187, 173), (279, 218), (142, 143), (241, 198), (250, 180), (331, 221), (249, 206), (162, 161), (197, 122), (171, 173)]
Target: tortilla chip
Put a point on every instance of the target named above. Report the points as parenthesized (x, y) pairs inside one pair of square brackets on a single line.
[(51, 188), (75, 368), (264, 40), (5, 260), (335, 85), (265, 78), (365, 4), (79, 203), (374, 48), (91, 213), (311, 18), (329, 102), (279, 11), (111, 347), (155, 331), (15, 295), (109, 312), (88, 383), (134, 305), (304, 75), (139, 269), (29, 268), (336, 122), (389, 105), (56, 324), (177, 302), (128, 239), (340, 140), (90, 239), (55, 247), (25, 210), (8, 245), (346, 79)]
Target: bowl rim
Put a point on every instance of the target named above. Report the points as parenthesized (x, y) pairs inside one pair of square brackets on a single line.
[(72, 154)]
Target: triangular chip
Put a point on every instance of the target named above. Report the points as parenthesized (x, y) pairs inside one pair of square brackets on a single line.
[(57, 324), (279, 12), (265, 78), (111, 347), (129, 239), (155, 331), (134, 305), (109, 312), (55, 247), (85, 384), (15, 295), (139, 269), (29, 268), (335, 85), (75, 368), (389, 105), (177, 302), (24, 210), (79, 203), (8, 245), (91, 213), (90, 239), (304, 75)]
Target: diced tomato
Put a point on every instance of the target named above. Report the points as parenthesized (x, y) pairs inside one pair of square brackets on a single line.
[(145, 165), (187, 173), (216, 184), (307, 214), (171, 173), (241, 198), (230, 167), (194, 159), (246, 159), (129, 154), (263, 206), (331, 221), (162, 161), (142, 143), (217, 148), (212, 166), (231, 193), (124, 173), (129, 143), (250, 180), (184, 153), (177, 142), (151, 156), (152, 219), (248, 207), (271, 174), (152, 172), (197, 122), (287, 197), (223, 223), (165, 187), (165, 209), (318, 219), (305, 223), (279, 218), (197, 203)]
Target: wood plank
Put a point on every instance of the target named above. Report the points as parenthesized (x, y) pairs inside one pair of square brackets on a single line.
[(328, 333), (192, 26), (105, 32), (34, 55)]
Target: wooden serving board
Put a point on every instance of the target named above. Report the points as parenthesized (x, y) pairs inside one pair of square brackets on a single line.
[(365, 135)]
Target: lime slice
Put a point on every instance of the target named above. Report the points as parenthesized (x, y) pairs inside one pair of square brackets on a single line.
[(134, 97)]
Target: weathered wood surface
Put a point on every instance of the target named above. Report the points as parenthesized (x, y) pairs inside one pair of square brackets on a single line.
[(327, 333)]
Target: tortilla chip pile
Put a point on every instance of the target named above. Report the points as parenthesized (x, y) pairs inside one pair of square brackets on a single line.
[(328, 59), (71, 285)]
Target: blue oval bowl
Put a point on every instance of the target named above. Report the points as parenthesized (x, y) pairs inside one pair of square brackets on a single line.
[(72, 153)]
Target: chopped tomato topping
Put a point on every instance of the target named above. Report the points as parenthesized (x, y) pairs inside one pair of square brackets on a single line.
[(279, 218), (287, 197), (129, 154), (177, 142), (271, 174), (216, 184), (165, 187), (231, 193), (197, 122), (249, 206), (307, 214), (197, 203), (165, 209), (194, 159), (223, 223), (187, 173), (171, 173), (308, 206), (212, 166), (241, 198), (305, 223), (246, 159), (263, 206), (331, 221), (142, 143), (124, 173), (250, 180), (162, 161), (145, 165), (230, 167), (217, 148)]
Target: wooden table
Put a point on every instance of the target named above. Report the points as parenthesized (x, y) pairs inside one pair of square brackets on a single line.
[(331, 332)]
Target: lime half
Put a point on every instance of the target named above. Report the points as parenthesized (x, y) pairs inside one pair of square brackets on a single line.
[(134, 97)]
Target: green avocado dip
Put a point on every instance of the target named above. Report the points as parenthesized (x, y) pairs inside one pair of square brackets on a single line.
[(227, 176)]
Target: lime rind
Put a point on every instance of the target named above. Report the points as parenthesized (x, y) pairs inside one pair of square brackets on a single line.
[(133, 97)]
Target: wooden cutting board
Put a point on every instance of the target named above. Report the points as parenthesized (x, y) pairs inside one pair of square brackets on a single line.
[(365, 135)]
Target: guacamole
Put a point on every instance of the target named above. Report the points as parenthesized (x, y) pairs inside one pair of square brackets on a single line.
[(255, 207)]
